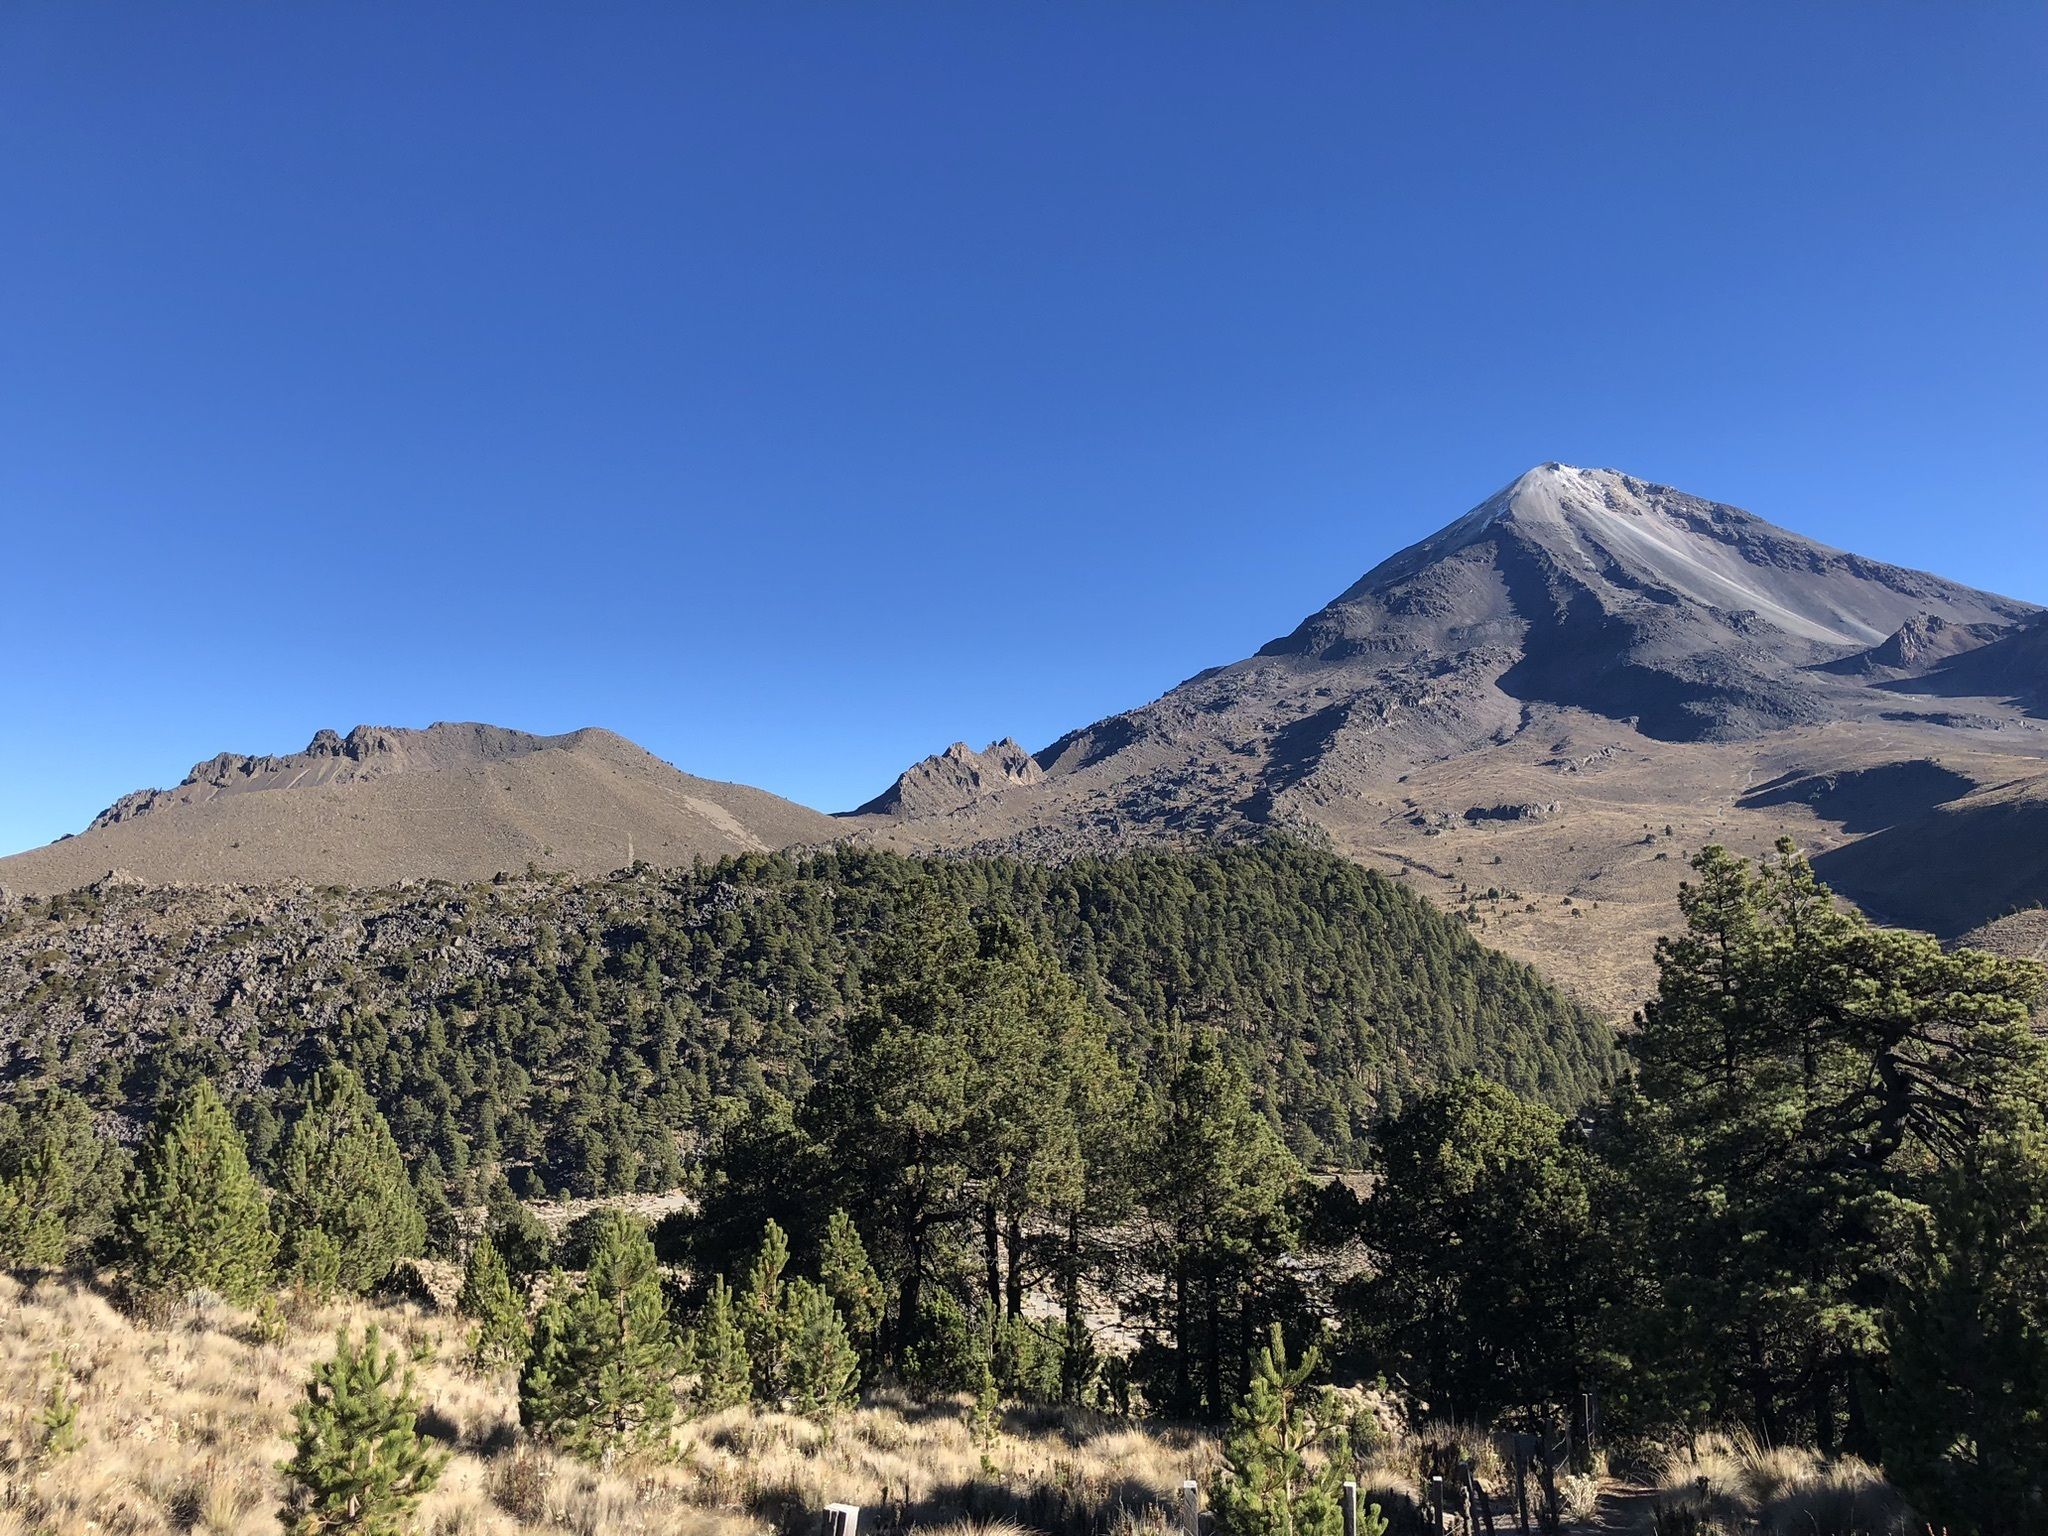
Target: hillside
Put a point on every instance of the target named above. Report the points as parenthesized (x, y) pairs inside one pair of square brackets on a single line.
[(1556, 692), (589, 1031), (450, 802), (181, 1430)]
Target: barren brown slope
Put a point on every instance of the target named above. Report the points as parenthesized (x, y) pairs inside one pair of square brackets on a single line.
[(453, 802), (1514, 711)]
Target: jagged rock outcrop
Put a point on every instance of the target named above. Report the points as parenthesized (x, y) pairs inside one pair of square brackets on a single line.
[(955, 778)]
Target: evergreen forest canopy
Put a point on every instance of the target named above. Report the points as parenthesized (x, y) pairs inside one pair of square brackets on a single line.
[(582, 1038), (1816, 1205)]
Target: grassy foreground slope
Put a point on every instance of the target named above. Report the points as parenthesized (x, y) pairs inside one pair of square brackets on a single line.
[(584, 1033), (181, 1429)]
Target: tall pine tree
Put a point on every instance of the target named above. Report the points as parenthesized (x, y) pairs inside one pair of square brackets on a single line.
[(1216, 1192), (195, 1217), (1808, 1086), (340, 1174)]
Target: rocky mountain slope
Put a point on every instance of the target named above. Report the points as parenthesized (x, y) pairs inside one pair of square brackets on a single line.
[(1537, 711), (452, 802), (955, 779)]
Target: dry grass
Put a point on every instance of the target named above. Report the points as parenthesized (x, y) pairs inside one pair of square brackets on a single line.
[(1739, 1483), (180, 1429)]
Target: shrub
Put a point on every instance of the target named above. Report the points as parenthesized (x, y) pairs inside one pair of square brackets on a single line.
[(359, 1464)]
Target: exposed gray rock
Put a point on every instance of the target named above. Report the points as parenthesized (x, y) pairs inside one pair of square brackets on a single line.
[(955, 778)]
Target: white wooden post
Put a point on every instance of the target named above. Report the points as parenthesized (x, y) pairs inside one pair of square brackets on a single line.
[(842, 1520), (1350, 1507)]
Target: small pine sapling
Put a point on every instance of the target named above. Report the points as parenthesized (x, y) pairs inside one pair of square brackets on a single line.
[(498, 1310), (824, 1367), (1285, 1456), (718, 1355), (359, 1464), (59, 1422)]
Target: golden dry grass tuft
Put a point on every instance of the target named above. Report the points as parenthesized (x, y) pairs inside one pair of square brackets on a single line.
[(1740, 1482), (179, 1429)]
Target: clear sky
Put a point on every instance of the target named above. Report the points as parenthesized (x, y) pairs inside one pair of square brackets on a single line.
[(798, 387)]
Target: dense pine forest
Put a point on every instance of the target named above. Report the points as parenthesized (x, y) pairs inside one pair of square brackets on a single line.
[(583, 1037), (1042, 1137)]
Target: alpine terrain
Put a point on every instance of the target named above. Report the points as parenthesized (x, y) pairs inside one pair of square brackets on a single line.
[(1535, 713), (451, 802)]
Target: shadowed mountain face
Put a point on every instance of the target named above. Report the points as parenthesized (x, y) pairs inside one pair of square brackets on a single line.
[(453, 801), (1588, 658)]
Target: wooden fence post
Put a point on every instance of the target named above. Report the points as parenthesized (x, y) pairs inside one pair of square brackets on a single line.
[(1524, 1447), (1350, 1506), (1436, 1502), (842, 1520), (1191, 1508)]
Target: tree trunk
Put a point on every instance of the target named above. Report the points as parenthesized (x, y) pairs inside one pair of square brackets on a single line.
[(1070, 1299), (1183, 1344), (991, 1258), (1213, 1361), (1013, 1259)]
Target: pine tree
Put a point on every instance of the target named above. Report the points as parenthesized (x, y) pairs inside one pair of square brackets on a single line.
[(1965, 1412), (316, 1264), (1217, 1186), (1454, 1164), (359, 1464), (196, 1216), (33, 1195), (59, 1421), (489, 1300), (601, 1372), (985, 1420), (1809, 1087), (60, 1181), (897, 1113), (1285, 1456), (824, 1367), (765, 1318), (718, 1355), (855, 1288), (341, 1174)]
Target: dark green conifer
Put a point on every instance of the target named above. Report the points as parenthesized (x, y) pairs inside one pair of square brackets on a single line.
[(718, 1355), (499, 1311), (359, 1464), (196, 1217), (60, 1181), (600, 1376), (765, 1318), (850, 1279), (34, 1191), (341, 1175), (823, 1367)]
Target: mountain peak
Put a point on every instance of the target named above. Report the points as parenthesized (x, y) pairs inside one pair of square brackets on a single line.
[(452, 800)]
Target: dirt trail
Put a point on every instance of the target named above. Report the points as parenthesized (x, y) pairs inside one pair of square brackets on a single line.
[(1624, 1508)]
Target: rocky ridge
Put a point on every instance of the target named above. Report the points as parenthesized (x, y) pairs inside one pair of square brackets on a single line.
[(1627, 657)]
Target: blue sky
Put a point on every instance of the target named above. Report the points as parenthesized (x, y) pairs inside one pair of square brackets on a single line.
[(798, 387)]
